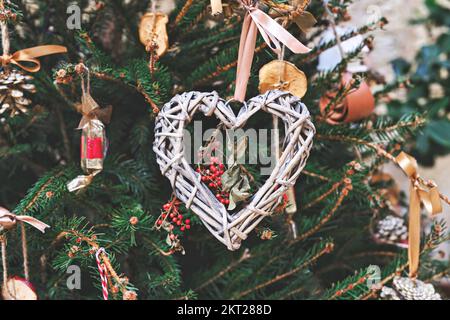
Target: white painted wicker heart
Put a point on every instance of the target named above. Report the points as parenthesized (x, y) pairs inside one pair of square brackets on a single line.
[(231, 228)]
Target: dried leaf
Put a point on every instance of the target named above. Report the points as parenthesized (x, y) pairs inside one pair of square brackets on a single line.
[(305, 21), (230, 177), (236, 182), (240, 192)]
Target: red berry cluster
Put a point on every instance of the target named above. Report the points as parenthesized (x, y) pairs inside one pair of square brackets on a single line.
[(171, 213), (212, 176)]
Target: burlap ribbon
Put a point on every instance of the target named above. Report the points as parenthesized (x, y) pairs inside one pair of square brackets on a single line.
[(8, 220), (273, 34), (30, 56), (419, 194), (90, 109)]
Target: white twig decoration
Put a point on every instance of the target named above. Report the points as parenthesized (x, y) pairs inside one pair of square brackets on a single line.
[(231, 228)]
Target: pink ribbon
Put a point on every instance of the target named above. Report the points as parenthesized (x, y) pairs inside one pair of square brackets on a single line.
[(8, 220), (272, 33)]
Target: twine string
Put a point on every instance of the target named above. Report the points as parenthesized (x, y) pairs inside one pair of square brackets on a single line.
[(102, 270), (24, 251), (4, 261)]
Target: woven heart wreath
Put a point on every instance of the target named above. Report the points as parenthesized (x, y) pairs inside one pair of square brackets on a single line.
[(231, 228)]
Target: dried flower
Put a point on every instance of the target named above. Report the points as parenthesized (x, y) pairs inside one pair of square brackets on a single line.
[(134, 221), (129, 295)]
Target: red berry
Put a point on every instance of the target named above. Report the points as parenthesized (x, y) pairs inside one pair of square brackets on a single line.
[(163, 215), (221, 166), (172, 236), (211, 185), (178, 222), (180, 217), (187, 221), (78, 240), (182, 228), (223, 201), (218, 196), (227, 202), (175, 219), (172, 215), (204, 178), (188, 226), (159, 222), (166, 206)]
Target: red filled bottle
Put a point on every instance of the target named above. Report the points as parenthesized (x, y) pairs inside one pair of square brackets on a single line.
[(93, 146)]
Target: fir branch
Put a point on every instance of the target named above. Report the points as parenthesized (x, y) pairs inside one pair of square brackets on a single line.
[(343, 194), (245, 255), (312, 256)]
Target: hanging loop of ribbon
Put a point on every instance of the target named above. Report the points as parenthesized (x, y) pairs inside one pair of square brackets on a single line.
[(420, 194), (8, 220), (30, 56), (273, 34)]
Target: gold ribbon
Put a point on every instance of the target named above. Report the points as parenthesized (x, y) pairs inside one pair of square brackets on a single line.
[(419, 194), (29, 55), (8, 220), (89, 108)]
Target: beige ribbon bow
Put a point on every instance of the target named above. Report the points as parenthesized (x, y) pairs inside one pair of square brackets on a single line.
[(419, 194), (29, 55), (8, 220), (273, 34), (89, 108)]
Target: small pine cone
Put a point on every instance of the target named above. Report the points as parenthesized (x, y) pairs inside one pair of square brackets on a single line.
[(14, 89), (392, 229), (129, 295)]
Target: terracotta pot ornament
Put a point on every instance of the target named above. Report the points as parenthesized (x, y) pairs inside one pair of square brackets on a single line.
[(358, 104), (231, 228)]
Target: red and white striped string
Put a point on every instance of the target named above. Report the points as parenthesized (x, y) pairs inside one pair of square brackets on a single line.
[(102, 271)]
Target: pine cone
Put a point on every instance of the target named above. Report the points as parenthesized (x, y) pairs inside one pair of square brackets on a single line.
[(14, 87), (392, 230), (409, 289)]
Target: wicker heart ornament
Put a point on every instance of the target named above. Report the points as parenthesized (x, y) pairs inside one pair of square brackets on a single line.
[(231, 228)]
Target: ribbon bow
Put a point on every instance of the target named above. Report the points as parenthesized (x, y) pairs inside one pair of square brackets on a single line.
[(419, 194), (29, 55), (8, 220), (89, 108), (272, 33)]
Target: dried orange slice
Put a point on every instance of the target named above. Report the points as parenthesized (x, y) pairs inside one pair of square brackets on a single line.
[(284, 76)]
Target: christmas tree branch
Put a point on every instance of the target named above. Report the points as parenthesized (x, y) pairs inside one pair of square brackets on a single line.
[(381, 152), (327, 248), (343, 194), (246, 255)]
